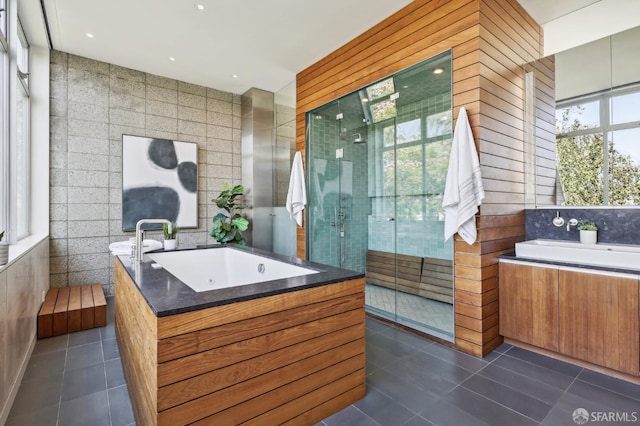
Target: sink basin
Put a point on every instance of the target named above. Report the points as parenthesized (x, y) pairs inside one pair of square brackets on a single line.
[(612, 255)]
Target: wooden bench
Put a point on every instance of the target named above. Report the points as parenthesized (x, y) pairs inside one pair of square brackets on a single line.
[(423, 276), (70, 309)]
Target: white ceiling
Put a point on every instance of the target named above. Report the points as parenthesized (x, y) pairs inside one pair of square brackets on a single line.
[(265, 43)]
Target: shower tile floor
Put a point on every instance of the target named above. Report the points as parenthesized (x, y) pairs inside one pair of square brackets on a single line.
[(434, 314)]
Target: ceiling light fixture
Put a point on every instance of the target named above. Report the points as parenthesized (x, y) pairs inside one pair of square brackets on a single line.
[(438, 70), (171, 58), (235, 76), (89, 35), (365, 100), (199, 6)]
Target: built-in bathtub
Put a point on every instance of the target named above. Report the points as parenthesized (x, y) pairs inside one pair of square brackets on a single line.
[(218, 268), (287, 348)]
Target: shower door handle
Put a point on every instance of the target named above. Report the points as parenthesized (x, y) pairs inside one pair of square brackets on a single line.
[(391, 219)]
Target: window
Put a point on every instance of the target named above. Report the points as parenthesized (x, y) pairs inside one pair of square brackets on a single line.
[(14, 127), (21, 145), (4, 120), (598, 148)]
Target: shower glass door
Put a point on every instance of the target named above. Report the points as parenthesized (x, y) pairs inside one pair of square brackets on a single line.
[(377, 162)]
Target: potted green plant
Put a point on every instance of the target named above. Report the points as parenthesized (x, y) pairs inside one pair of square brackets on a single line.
[(588, 232), (228, 228), (4, 250), (170, 237)]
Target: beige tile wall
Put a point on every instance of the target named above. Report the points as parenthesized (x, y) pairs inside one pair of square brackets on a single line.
[(92, 105)]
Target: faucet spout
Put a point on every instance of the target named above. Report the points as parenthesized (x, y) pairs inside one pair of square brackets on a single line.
[(140, 234)]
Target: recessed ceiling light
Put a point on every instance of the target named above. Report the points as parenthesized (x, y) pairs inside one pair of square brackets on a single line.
[(438, 70), (365, 100), (405, 87), (89, 35), (235, 76), (171, 58), (199, 6)]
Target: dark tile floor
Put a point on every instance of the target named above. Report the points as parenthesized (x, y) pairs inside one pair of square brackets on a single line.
[(77, 379)]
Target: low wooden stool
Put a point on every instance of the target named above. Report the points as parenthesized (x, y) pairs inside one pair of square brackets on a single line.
[(70, 309)]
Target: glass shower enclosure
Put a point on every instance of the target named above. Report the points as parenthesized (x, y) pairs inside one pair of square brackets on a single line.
[(377, 161)]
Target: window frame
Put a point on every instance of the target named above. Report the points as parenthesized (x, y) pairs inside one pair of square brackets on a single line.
[(605, 127)]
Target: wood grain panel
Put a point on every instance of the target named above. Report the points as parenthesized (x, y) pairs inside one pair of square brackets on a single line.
[(210, 338), (197, 320), (263, 374), (599, 320), (60, 312), (100, 304), (45, 316), (136, 334), (529, 304), (74, 318), (202, 362), (88, 313)]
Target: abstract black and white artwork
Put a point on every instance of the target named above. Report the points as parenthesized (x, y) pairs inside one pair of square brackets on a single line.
[(159, 181)]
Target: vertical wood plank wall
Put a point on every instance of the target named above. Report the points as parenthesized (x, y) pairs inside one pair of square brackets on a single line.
[(491, 40)]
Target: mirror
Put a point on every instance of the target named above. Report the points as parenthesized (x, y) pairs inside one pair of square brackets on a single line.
[(596, 93)]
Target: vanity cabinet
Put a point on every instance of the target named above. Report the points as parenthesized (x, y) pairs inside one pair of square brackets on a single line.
[(599, 319), (588, 315), (529, 304)]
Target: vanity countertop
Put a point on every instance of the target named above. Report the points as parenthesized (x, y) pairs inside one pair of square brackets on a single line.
[(604, 269), (167, 295)]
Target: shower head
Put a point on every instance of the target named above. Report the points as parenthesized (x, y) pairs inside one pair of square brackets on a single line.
[(358, 138)]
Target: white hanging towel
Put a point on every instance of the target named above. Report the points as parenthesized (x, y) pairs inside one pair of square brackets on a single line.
[(463, 191), (297, 194)]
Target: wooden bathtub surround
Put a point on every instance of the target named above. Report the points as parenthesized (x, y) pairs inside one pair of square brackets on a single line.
[(296, 358), (491, 40)]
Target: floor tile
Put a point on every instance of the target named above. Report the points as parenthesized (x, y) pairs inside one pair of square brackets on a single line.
[(44, 416), (562, 412), (404, 337), (561, 367), (603, 396), (83, 356), (484, 409), (351, 416), (83, 381), (383, 409), (442, 413), (504, 347), (456, 357), (509, 397), (418, 421), (83, 337), (89, 410), (526, 385), (408, 391), (424, 367), (114, 373), (110, 349), (120, 406), (613, 384), (51, 344), (541, 374), (36, 394), (45, 365), (108, 331)]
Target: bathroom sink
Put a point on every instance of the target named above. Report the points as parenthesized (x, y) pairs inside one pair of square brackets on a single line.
[(612, 255)]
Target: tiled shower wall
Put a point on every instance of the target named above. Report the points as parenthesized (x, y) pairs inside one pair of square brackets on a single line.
[(92, 105)]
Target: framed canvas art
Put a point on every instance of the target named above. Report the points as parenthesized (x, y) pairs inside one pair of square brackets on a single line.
[(159, 181)]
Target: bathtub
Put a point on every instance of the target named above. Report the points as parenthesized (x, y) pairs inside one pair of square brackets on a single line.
[(218, 268)]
